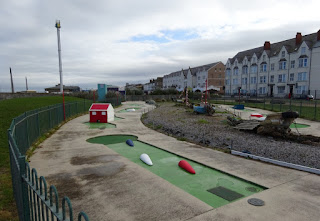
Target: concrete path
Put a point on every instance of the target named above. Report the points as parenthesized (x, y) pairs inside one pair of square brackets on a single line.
[(314, 128), (108, 186)]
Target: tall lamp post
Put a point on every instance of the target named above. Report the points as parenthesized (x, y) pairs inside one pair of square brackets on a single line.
[(58, 26)]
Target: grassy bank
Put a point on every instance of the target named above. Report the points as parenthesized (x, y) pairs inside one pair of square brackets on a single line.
[(9, 110)]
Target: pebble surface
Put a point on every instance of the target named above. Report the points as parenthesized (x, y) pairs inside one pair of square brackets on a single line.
[(213, 131)]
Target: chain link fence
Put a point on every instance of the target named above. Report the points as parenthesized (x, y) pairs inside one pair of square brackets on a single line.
[(30, 193)]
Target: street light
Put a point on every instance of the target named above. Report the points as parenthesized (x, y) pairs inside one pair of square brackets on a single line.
[(58, 26)]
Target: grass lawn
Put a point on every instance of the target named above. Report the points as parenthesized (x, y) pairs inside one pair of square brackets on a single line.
[(10, 109)]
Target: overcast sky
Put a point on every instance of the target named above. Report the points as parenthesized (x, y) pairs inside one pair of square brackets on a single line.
[(119, 41)]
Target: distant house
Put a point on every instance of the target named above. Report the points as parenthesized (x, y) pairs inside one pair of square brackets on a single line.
[(68, 89), (196, 78), (101, 113)]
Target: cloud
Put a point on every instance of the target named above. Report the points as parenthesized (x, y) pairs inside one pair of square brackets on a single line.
[(132, 41)]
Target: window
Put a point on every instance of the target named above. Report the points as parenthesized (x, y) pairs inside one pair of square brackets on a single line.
[(235, 81), (254, 69), (303, 50), (253, 80), (281, 89), (282, 65), (301, 89), (235, 71), (103, 113), (198, 77), (283, 54), (94, 113), (263, 67), (303, 62), (272, 78), (282, 78), (262, 79), (272, 67), (252, 91), (292, 77), (228, 72), (253, 60), (228, 82), (292, 64), (245, 70), (262, 90), (302, 76), (244, 80), (236, 63), (203, 77), (263, 58)]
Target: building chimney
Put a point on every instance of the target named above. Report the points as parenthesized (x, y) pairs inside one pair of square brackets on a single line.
[(298, 38), (318, 35), (266, 45)]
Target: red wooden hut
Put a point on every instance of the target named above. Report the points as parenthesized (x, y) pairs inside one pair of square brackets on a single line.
[(102, 113)]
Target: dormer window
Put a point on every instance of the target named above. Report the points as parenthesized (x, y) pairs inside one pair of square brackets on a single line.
[(263, 58), (253, 60), (283, 54), (303, 50), (236, 63)]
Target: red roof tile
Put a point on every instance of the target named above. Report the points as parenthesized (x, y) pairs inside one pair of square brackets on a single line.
[(99, 107)]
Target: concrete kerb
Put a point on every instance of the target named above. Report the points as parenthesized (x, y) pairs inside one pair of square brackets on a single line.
[(110, 191)]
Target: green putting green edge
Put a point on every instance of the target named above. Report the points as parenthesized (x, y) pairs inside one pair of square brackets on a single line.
[(99, 125), (118, 118), (165, 165), (299, 125)]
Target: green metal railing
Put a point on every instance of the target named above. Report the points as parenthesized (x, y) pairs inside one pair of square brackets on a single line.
[(31, 193)]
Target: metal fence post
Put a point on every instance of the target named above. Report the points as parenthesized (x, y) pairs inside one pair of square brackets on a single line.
[(24, 188), (27, 133), (290, 104), (315, 110), (300, 112), (38, 124)]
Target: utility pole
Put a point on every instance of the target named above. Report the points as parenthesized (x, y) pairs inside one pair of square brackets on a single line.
[(26, 84), (58, 26), (12, 88)]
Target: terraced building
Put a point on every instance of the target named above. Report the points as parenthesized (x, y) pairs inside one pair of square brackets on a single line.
[(282, 69)]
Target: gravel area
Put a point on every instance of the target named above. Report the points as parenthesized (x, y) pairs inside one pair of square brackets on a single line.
[(215, 132)]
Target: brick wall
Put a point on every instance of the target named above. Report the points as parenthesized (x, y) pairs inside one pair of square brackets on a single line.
[(216, 76)]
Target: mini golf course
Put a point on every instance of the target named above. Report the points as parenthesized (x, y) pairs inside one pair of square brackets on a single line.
[(211, 186), (296, 125), (129, 110), (99, 125), (117, 118)]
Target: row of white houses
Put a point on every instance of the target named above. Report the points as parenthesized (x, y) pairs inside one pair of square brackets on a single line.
[(196, 78), (286, 68), (282, 69)]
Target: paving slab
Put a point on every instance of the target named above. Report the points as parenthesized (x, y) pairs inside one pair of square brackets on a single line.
[(108, 186)]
